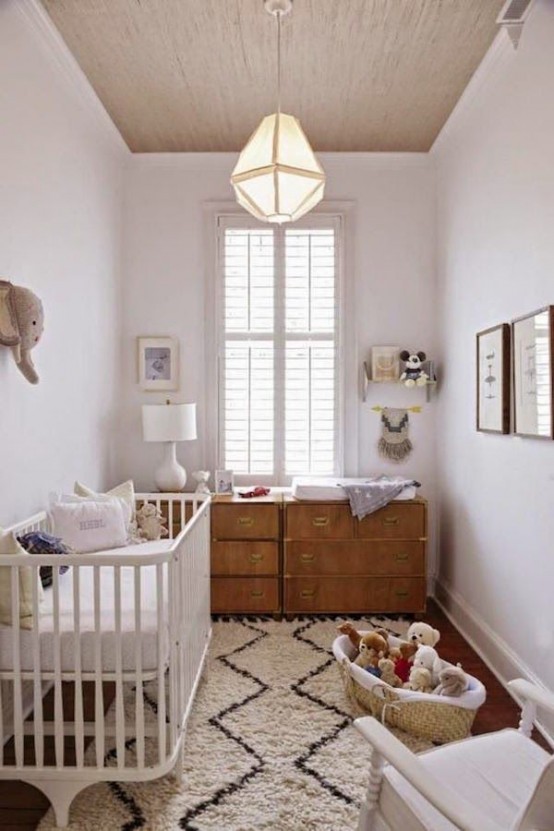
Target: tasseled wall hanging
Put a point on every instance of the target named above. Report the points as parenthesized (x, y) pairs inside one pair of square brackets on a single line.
[(394, 443)]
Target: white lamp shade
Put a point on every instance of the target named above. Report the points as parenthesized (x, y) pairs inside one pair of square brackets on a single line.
[(169, 422), (277, 177)]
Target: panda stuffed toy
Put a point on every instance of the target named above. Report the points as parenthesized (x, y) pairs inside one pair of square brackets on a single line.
[(414, 374)]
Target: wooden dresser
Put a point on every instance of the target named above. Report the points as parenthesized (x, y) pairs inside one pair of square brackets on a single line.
[(336, 563), (278, 554), (246, 555)]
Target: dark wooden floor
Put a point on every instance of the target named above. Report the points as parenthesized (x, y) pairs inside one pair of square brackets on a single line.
[(22, 807)]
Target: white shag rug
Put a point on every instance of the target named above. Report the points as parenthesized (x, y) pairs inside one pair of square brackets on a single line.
[(269, 744)]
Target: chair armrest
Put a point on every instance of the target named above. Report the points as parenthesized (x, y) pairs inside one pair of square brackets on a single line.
[(530, 692), (464, 815)]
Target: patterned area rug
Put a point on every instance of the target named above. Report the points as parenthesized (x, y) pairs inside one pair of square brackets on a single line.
[(270, 742)]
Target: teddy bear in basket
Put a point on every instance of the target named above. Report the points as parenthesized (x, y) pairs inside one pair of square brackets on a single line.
[(401, 655)]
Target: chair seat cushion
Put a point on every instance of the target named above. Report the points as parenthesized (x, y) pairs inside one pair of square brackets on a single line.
[(497, 772)]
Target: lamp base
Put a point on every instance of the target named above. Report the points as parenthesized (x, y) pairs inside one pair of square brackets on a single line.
[(170, 476)]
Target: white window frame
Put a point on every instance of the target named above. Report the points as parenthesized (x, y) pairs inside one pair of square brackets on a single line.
[(339, 215)]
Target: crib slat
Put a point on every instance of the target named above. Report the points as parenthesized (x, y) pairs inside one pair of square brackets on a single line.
[(170, 517), (79, 717), (161, 663), (16, 647), (98, 686), (139, 697), (2, 737), (119, 709), (183, 515), (173, 640), (38, 717), (58, 700)]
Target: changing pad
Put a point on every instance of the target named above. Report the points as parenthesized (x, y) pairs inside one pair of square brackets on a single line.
[(149, 621), (328, 489)]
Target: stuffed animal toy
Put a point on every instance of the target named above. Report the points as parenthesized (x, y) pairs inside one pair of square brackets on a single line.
[(21, 325), (420, 680), (403, 656), (423, 634), (388, 675), (355, 636), (452, 681), (372, 647), (427, 658), (413, 374), (150, 522)]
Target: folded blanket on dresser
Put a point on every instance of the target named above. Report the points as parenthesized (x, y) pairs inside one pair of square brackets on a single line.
[(367, 497)]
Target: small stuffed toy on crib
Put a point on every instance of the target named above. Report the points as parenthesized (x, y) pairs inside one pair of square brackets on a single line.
[(151, 523)]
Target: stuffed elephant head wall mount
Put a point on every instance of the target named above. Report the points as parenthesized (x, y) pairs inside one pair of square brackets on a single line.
[(21, 325)]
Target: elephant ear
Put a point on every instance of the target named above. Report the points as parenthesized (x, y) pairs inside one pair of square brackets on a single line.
[(9, 330)]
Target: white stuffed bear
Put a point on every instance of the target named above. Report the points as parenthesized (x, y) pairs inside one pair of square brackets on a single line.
[(423, 634), (427, 658)]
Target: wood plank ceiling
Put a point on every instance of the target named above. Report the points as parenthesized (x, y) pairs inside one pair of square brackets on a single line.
[(198, 75)]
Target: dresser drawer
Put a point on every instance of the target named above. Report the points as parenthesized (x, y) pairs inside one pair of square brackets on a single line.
[(245, 594), (355, 557), (354, 594), (395, 521), (251, 557), (318, 521), (238, 522)]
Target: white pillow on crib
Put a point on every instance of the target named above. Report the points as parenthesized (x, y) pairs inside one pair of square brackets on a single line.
[(87, 525), (10, 545), (124, 492)]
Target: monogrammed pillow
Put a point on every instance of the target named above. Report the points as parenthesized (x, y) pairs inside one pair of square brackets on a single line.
[(87, 525)]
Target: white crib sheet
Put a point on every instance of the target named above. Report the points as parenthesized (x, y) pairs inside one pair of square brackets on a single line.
[(149, 622), (329, 488)]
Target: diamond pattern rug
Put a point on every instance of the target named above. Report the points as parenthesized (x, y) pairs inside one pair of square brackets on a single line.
[(270, 742)]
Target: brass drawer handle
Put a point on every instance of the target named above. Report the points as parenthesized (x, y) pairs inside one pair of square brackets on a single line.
[(391, 520), (245, 521), (307, 558), (401, 556), (257, 593), (402, 593), (256, 558), (307, 593), (320, 521)]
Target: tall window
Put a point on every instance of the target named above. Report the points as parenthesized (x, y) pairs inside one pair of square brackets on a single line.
[(279, 368)]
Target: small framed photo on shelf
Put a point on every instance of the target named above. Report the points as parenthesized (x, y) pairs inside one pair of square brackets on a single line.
[(158, 363), (533, 373), (385, 363), (493, 380), (224, 482)]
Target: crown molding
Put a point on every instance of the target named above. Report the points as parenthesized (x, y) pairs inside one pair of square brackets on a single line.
[(45, 32), (499, 54), (226, 161)]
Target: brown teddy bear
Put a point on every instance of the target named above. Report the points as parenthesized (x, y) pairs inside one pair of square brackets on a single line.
[(373, 646), (354, 636), (403, 656), (388, 675)]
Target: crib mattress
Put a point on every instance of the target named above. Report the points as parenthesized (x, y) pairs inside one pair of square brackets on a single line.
[(318, 488), (68, 638)]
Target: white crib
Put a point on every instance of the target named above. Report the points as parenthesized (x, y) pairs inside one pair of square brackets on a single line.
[(136, 617)]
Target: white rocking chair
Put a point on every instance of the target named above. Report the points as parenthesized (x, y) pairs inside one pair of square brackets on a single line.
[(495, 782)]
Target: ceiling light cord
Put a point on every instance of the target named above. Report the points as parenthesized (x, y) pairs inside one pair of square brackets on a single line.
[(278, 63)]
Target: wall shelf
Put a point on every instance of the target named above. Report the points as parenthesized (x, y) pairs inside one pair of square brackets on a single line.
[(428, 366)]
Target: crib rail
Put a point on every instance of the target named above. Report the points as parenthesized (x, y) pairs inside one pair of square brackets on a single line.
[(123, 625)]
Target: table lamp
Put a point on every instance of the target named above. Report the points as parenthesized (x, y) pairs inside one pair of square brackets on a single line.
[(169, 423)]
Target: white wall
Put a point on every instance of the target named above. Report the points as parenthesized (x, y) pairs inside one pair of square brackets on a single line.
[(496, 262), (60, 205), (390, 274)]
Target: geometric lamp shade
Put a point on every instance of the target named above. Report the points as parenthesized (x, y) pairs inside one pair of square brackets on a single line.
[(277, 177)]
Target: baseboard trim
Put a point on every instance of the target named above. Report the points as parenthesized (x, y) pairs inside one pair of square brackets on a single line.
[(500, 658)]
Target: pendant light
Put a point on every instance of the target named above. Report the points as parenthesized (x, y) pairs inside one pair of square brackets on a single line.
[(278, 177)]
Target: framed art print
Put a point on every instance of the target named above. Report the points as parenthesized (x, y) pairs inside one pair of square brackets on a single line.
[(158, 364), (385, 363), (532, 355), (493, 379), (224, 480)]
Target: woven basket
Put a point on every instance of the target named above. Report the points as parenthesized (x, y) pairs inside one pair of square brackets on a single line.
[(437, 718)]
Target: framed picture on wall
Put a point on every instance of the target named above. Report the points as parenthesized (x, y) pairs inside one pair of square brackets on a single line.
[(493, 379), (533, 360), (158, 363)]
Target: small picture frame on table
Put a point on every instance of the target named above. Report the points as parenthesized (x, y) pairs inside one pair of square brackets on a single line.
[(533, 373), (385, 363), (493, 379), (158, 363), (224, 481)]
